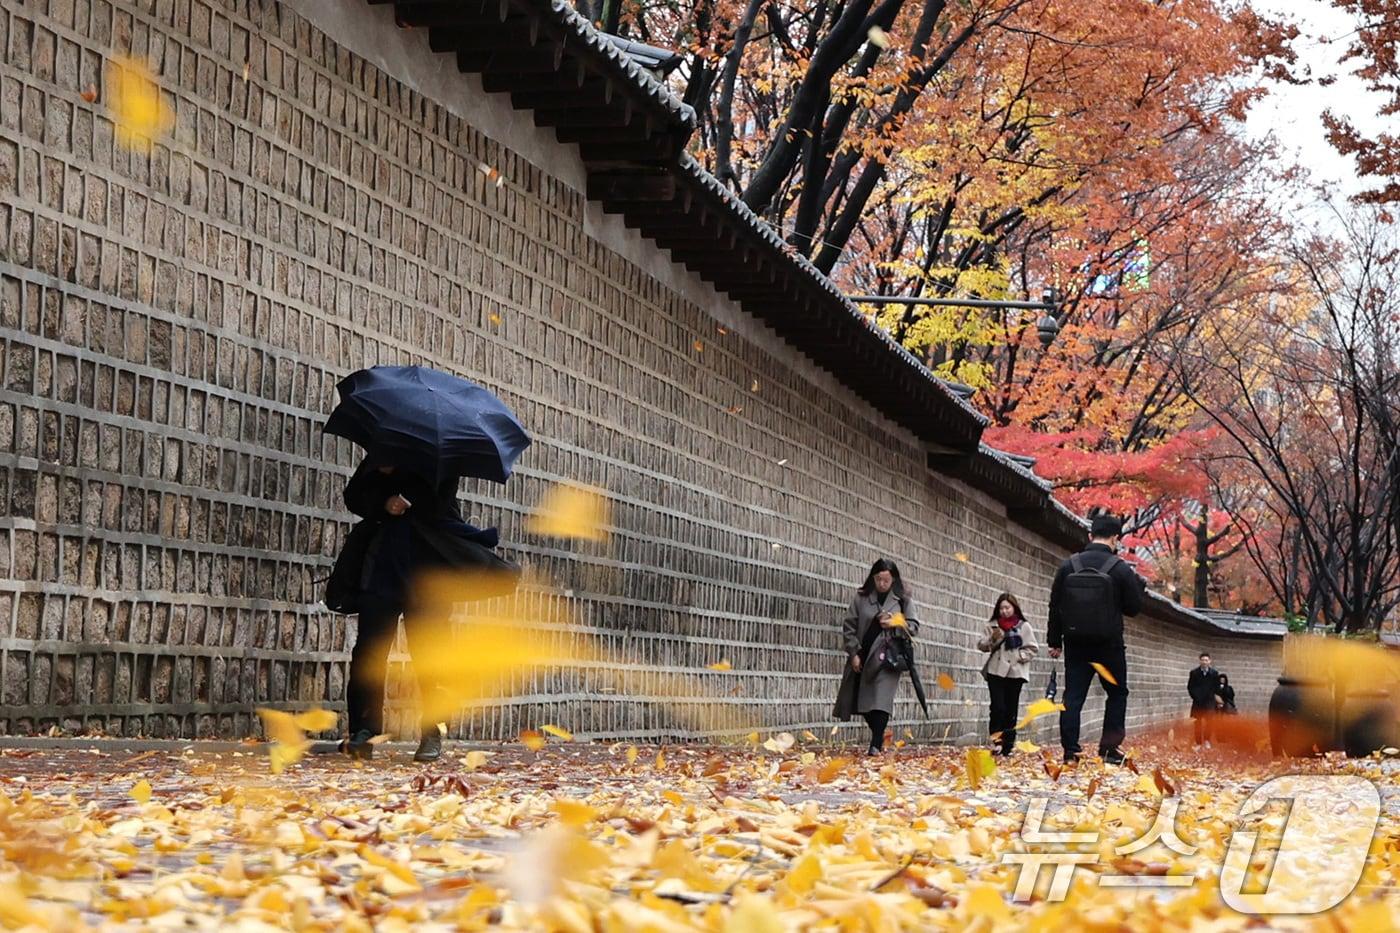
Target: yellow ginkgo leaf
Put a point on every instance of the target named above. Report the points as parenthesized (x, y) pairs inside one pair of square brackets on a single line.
[(1027, 747), (755, 914), (722, 666), (878, 37), (569, 511), (139, 113), (805, 873), (315, 720), (558, 732), (280, 755), (780, 743), (1146, 784), (962, 556), (1103, 672), (1042, 707), (281, 726), (631, 754), (141, 793), (574, 813), (986, 901), (945, 681), (979, 764), (533, 740)]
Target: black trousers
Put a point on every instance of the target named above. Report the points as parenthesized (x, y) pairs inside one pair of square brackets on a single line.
[(1079, 655), (1205, 725), (1006, 703), (877, 720), (364, 691)]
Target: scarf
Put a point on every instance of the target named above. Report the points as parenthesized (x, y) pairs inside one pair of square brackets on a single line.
[(1012, 641)]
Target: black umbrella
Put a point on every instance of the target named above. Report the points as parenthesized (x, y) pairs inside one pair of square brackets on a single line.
[(435, 422), (918, 687), (903, 644)]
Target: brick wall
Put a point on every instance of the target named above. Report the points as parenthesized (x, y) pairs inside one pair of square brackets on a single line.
[(172, 325)]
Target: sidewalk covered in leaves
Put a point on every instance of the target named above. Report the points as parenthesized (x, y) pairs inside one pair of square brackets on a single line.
[(782, 834)]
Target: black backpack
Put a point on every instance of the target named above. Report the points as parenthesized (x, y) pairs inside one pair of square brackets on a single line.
[(1088, 604)]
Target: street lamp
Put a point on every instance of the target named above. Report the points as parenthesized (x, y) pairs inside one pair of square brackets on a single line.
[(1047, 328)]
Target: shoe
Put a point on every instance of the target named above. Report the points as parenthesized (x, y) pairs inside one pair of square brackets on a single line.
[(874, 752), (358, 745), (1112, 756), (1071, 757), (430, 746)]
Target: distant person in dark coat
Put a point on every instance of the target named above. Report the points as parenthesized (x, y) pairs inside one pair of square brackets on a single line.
[(1092, 592), (868, 688), (1203, 685), (1227, 696), (410, 525)]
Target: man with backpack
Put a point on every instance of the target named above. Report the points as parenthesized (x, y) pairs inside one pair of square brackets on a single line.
[(1092, 592)]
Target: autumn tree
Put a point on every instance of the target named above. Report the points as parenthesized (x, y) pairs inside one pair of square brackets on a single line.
[(1308, 398), (1373, 49)]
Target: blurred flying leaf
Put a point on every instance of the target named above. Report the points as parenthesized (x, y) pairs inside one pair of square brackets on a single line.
[(962, 556), (722, 666), (289, 743), (557, 732), (569, 511), (878, 37), (138, 111), (89, 93), (1103, 672), (141, 793), (978, 765), (315, 720), (945, 681), (1041, 707), (533, 740), (780, 743)]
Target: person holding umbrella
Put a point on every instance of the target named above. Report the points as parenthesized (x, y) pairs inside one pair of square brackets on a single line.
[(877, 634), (422, 430)]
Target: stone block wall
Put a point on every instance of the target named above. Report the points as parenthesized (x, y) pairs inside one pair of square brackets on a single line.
[(173, 322)]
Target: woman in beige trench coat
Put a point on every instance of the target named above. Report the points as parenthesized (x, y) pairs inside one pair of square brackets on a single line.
[(867, 687), (1011, 646)]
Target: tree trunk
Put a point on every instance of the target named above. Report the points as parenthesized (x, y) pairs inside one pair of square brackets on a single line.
[(1201, 596)]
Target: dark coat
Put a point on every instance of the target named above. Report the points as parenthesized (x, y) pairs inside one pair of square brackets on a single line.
[(1204, 687), (384, 552), (1227, 693), (871, 688), (1129, 590)]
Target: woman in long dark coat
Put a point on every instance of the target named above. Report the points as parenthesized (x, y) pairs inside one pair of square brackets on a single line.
[(868, 687), (410, 525)]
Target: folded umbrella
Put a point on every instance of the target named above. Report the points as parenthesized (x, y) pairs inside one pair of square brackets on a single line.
[(431, 421)]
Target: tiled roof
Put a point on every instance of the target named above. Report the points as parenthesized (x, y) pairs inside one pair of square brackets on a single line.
[(631, 131)]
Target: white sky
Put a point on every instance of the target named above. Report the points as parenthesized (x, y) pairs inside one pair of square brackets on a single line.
[(1294, 114)]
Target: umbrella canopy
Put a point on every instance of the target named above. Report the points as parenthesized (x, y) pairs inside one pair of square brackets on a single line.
[(427, 420)]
